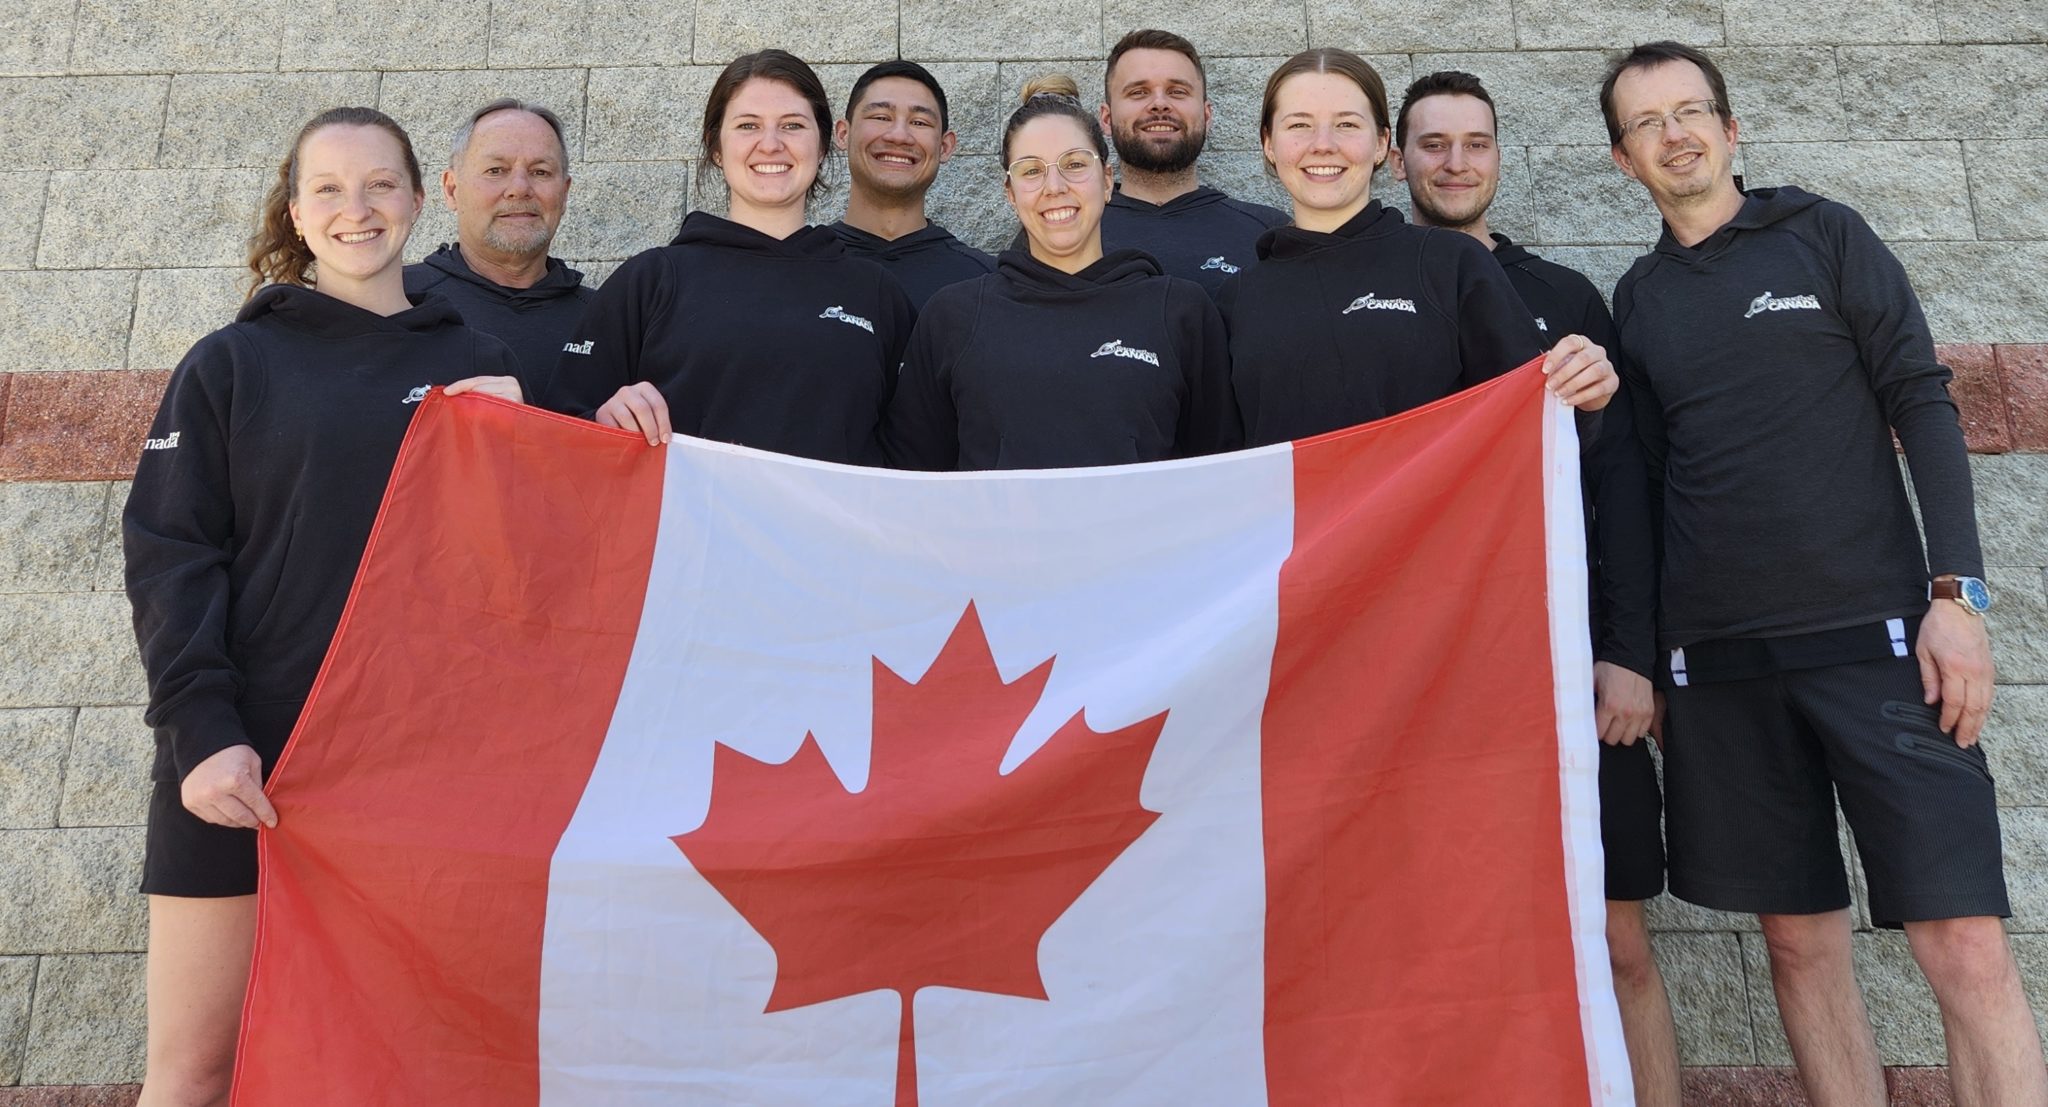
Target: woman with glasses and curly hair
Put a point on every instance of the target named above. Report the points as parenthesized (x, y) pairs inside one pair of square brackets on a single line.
[(1065, 355)]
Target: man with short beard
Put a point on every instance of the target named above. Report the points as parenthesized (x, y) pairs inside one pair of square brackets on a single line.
[(896, 134), (1447, 149), (507, 182), (1156, 110)]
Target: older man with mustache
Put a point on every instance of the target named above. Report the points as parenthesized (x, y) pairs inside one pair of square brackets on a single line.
[(507, 182)]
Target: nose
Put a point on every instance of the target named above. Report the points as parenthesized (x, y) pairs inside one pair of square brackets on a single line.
[(357, 205), (1055, 182), (519, 182), (1455, 160), (1323, 139), (899, 130), (771, 139)]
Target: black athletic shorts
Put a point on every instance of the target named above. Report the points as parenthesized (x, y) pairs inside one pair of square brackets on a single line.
[(1752, 772), (1631, 821), (183, 854)]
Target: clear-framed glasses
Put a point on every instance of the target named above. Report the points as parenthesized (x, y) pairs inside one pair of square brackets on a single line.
[(1078, 166), (1689, 116)]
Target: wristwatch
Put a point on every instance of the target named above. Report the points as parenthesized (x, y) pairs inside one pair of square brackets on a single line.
[(1971, 592)]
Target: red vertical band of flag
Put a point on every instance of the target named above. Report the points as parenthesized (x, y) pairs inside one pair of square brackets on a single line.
[(405, 889), (1418, 943)]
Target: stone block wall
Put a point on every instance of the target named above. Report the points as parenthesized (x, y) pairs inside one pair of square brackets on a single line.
[(141, 135)]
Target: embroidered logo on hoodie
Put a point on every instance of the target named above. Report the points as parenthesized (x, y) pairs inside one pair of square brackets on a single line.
[(1369, 302), (841, 314), (1768, 302), (1115, 348), (168, 442), (417, 394), (1541, 325), (1217, 262), (584, 347)]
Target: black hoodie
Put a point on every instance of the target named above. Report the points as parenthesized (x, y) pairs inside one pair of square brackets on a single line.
[(1771, 364), (254, 497), (1617, 492), (1376, 318), (922, 261), (534, 322), (1032, 368), (1203, 236), (788, 345)]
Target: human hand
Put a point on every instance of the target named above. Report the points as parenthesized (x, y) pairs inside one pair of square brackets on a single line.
[(1954, 651), (226, 789), (1624, 706), (1578, 372), (637, 407), (504, 388)]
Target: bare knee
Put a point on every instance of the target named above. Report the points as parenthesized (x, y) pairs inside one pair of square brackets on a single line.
[(1802, 945), (1968, 953), (1629, 953)]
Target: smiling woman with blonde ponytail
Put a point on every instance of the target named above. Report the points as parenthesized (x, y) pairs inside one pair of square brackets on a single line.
[(1064, 355), (252, 502)]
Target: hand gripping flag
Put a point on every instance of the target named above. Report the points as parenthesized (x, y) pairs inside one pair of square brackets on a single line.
[(700, 775)]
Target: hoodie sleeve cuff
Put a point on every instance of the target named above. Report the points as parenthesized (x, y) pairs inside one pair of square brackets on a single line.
[(200, 730)]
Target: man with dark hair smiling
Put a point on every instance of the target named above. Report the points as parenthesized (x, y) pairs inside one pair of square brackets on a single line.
[(1157, 113), (1447, 149), (896, 135), (507, 182), (1817, 652)]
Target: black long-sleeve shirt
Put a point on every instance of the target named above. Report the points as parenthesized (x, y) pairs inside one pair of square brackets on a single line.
[(1771, 364), (1373, 319), (1618, 529), (788, 345), (254, 497), (1204, 236), (1033, 368)]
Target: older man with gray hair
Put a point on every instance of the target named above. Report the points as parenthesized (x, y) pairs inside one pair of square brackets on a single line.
[(507, 182)]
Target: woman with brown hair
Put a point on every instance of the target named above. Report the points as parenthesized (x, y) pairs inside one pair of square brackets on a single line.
[(1353, 314), (756, 328), (1065, 355), (253, 500)]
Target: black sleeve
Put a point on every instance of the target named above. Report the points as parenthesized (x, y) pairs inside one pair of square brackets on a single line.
[(492, 358), (603, 352), (1495, 331), (178, 534), (1626, 580), (921, 429), (901, 315), (1912, 387), (1209, 422), (1646, 415)]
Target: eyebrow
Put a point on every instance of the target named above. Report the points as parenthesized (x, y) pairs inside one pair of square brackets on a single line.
[(1311, 115), (890, 105), (1457, 134), (1171, 82), (805, 116)]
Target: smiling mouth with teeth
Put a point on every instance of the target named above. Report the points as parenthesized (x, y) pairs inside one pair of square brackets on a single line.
[(353, 237), (772, 170), (1059, 215), (1323, 172)]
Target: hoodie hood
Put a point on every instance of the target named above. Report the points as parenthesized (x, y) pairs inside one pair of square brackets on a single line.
[(929, 237), (1509, 252), (1115, 267), (1373, 221), (1761, 207), (319, 314), (449, 264), (808, 241), (1201, 197)]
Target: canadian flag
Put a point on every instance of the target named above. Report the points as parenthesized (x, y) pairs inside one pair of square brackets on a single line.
[(701, 775)]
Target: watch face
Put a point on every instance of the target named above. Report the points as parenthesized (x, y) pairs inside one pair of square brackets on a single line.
[(1975, 593)]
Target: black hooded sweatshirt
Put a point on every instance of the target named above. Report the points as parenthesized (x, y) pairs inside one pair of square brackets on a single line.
[(1033, 368), (534, 322), (1376, 318), (1618, 527), (922, 261), (1203, 236), (788, 345), (254, 497), (1771, 364)]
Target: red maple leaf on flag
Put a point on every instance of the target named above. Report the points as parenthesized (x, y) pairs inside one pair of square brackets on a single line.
[(943, 871)]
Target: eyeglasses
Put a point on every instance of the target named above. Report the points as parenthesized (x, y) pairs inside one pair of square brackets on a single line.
[(1688, 116), (1030, 174)]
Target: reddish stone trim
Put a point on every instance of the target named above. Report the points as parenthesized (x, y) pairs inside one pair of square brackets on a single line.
[(89, 425), (76, 426), (2024, 371)]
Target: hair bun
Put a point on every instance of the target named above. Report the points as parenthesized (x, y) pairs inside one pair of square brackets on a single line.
[(1051, 84)]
